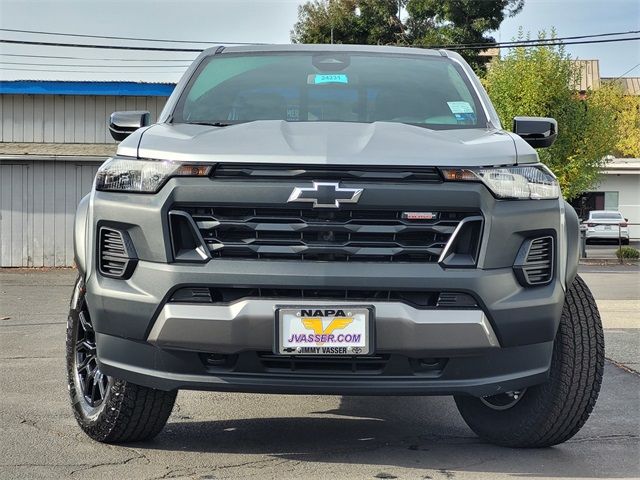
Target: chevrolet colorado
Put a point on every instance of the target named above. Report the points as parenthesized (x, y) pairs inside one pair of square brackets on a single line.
[(341, 220)]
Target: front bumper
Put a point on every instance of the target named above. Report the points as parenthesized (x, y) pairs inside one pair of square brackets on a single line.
[(504, 344), (484, 373)]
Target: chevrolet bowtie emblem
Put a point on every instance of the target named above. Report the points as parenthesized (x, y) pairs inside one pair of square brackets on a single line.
[(325, 195)]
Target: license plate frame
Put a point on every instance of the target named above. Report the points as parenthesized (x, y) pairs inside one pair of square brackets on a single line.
[(313, 349)]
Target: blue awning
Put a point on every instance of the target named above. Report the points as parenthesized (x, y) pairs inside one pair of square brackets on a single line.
[(132, 89)]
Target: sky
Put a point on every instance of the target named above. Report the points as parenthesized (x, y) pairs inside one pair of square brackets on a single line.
[(262, 21)]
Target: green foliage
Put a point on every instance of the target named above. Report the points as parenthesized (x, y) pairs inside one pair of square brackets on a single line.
[(446, 22), (376, 22), (628, 252), (628, 124), (538, 81), (429, 22)]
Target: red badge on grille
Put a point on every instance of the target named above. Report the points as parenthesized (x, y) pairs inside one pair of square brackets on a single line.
[(418, 215)]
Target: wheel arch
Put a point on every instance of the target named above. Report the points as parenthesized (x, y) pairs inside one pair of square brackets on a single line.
[(80, 235), (572, 236)]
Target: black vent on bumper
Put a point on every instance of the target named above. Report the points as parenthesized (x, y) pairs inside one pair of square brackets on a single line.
[(267, 363), (116, 255), (309, 234), (534, 264), (416, 299)]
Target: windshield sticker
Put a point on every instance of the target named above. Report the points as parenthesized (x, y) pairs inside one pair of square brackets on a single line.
[(465, 118), (460, 107), (323, 78)]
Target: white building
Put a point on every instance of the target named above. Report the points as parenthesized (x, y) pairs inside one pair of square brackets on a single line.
[(53, 137), (617, 189), (620, 188)]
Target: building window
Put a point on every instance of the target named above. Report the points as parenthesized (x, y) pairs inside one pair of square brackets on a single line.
[(611, 200), (589, 201)]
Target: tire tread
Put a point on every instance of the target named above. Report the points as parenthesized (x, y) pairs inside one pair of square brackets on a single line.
[(554, 412)]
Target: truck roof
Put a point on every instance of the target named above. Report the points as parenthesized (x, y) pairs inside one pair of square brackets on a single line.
[(326, 48)]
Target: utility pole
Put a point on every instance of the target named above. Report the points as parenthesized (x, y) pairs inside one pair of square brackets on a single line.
[(331, 18)]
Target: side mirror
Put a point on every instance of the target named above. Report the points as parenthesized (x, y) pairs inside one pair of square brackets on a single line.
[(539, 132), (123, 124)]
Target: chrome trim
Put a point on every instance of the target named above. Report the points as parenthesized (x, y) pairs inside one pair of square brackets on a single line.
[(297, 191), (447, 247), (202, 250), (249, 325)]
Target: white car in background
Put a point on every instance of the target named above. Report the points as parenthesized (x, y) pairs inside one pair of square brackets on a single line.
[(607, 225)]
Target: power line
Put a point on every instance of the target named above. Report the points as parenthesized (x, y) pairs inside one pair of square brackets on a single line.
[(465, 45), (107, 47), (96, 59), (541, 44), (538, 40), (630, 70), (109, 37), (450, 47), (93, 66)]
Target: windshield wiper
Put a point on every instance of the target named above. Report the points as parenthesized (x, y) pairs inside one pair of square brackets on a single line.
[(211, 124)]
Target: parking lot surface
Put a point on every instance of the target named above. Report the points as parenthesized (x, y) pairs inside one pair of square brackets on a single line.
[(220, 435), (607, 249)]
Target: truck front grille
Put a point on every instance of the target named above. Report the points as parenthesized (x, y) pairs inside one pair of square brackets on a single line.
[(308, 234)]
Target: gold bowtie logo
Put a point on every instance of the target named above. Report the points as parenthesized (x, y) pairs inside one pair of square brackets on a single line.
[(315, 324)]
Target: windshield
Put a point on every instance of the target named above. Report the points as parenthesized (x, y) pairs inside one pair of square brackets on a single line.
[(606, 216), (423, 90)]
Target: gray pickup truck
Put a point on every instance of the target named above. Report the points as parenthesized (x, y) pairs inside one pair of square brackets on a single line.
[(337, 220)]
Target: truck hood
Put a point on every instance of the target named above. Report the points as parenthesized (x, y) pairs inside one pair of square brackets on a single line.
[(318, 143)]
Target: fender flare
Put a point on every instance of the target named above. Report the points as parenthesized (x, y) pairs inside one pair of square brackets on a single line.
[(572, 236), (80, 235)]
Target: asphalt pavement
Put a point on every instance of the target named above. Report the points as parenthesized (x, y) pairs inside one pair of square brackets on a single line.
[(221, 435)]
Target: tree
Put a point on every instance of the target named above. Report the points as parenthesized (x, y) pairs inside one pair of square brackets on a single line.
[(628, 124), (363, 22), (538, 81), (452, 22), (428, 22)]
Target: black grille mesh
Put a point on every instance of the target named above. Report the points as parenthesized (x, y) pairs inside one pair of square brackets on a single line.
[(308, 234), (538, 266), (115, 256)]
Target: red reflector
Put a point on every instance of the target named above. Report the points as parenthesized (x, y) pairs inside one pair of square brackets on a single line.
[(418, 215)]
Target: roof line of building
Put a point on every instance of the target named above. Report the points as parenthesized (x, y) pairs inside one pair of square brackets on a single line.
[(102, 88)]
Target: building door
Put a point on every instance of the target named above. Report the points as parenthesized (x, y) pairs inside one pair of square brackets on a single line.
[(13, 214)]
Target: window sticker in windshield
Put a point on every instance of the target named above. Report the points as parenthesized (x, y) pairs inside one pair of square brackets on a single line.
[(322, 78), (463, 111), (460, 107)]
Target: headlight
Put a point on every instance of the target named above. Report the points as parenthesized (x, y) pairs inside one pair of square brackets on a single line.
[(534, 182), (143, 176)]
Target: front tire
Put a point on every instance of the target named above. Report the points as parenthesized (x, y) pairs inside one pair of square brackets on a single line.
[(551, 413), (108, 409)]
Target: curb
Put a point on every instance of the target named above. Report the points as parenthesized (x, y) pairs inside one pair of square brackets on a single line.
[(604, 261)]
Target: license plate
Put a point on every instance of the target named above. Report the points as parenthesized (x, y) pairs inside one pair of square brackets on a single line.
[(324, 330), (607, 227)]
